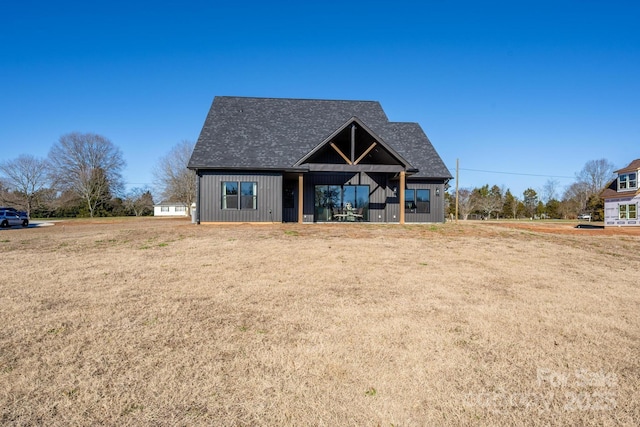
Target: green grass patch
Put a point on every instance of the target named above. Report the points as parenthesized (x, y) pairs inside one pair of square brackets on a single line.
[(371, 392)]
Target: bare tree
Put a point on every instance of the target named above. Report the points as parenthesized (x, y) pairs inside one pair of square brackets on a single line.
[(88, 164), (596, 174), (5, 195), (575, 197), (549, 190), (139, 201), (175, 182), (25, 177), (466, 202)]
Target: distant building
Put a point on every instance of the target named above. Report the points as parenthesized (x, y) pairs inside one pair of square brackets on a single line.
[(306, 160), (622, 197), (170, 209)]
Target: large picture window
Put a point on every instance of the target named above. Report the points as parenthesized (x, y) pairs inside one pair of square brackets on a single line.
[(628, 181), (342, 202), (629, 211), (239, 195), (417, 201)]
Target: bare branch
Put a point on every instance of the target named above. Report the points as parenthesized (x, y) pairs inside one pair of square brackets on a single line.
[(89, 165), (175, 182), (26, 176)]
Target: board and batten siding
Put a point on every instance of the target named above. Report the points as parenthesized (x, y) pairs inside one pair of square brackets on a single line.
[(383, 200), (436, 202), (269, 197)]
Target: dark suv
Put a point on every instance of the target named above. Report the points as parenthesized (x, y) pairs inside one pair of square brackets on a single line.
[(8, 217)]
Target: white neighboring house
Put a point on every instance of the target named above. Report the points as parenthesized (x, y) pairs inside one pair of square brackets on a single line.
[(622, 197), (170, 209)]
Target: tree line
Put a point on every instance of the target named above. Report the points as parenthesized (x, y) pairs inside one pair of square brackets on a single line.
[(82, 177), (582, 196)]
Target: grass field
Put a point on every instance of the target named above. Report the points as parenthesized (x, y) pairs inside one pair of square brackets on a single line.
[(162, 322)]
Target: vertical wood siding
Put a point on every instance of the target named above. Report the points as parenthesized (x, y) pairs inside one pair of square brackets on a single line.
[(383, 203), (269, 198), (437, 202)]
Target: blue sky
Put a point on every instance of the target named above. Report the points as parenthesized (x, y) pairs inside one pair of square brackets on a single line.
[(531, 89)]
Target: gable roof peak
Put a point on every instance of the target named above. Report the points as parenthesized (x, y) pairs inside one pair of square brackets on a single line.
[(354, 121)]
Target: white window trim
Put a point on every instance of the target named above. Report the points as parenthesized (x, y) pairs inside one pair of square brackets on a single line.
[(628, 182), (626, 211)]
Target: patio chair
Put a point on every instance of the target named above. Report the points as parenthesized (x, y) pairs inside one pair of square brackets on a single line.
[(358, 214)]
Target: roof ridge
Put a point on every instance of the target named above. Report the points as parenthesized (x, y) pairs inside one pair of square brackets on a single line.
[(296, 99)]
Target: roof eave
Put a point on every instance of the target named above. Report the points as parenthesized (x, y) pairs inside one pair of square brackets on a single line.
[(251, 168)]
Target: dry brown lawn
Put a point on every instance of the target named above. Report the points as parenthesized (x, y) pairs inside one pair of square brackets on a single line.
[(162, 322)]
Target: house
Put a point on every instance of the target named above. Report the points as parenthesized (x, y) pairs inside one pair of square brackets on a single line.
[(170, 209), (308, 160), (622, 197)]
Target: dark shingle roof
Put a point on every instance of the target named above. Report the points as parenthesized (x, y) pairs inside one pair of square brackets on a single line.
[(275, 133)]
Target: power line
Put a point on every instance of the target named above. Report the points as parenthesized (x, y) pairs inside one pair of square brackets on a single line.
[(518, 173)]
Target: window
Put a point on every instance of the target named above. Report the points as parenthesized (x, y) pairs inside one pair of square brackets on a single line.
[(288, 201), (409, 200), (248, 195), (628, 211), (246, 199), (164, 208), (423, 201), (229, 195), (181, 209), (628, 181), (332, 200), (417, 201)]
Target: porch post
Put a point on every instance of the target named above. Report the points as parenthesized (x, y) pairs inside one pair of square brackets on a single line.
[(401, 189), (300, 198)]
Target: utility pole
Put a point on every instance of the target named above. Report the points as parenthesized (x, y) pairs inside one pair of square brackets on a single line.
[(457, 168)]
